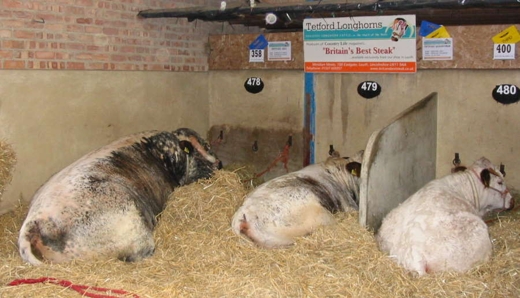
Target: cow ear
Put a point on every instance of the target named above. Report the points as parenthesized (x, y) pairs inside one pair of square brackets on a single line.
[(458, 169), (186, 146), (485, 176), (354, 168)]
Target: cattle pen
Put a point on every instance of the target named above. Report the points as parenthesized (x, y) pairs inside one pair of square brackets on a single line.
[(198, 255), (272, 87)]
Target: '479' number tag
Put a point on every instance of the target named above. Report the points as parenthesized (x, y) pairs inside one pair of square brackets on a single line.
[(256, 55), (369, 89)]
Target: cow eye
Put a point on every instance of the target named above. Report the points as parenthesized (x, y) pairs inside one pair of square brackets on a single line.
[(500, 182)]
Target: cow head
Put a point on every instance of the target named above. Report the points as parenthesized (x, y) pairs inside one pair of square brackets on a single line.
[(354, 168), (496, 195), (201, 160)]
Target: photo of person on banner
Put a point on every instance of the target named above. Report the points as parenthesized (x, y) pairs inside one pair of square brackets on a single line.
[(399, 27)]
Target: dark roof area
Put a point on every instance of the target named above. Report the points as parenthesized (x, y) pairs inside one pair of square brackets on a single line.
[(290, 16)]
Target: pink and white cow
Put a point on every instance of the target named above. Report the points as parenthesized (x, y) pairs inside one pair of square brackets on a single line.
[(440, 227), (295, 204), (106, 203)]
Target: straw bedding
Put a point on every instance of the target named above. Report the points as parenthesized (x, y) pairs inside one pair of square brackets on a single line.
[(7, 162), (197, 255)]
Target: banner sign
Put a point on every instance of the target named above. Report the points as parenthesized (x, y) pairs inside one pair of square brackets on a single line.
[(378, 44)]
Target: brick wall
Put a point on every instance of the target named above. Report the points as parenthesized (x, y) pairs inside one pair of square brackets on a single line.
[(102, 35)]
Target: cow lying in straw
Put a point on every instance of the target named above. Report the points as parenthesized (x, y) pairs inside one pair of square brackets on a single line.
[(295, 204), (440, 227), (106, 203)]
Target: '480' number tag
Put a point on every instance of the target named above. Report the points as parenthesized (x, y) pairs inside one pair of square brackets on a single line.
[(256, 55)]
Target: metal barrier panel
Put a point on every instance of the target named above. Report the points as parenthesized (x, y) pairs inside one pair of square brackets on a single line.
[(399, 159)]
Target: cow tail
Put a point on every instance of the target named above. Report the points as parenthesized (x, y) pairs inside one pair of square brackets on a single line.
[(242, 227), (30, 243)]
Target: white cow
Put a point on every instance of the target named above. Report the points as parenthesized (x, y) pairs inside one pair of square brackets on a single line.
[(440, 227), (106, 204), (295, 204)]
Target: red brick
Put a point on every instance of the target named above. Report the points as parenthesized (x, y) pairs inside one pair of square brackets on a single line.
[(108, 66), (95, 65), (4, 14), (5, 33), (118, 58), (23, 15), (103, 4), (44, 55), (73, 10), (14, 64), (75, 65), (135, 58), (101, 57), (75, 28), (93, 29), (54, 28), (13, 24), (6, 54), (12, 4), (127, 49), (111, 31), (85, 3), (62, 56), (24, 34), (12, 44), (84, 20), (83, 56), (75, 46)]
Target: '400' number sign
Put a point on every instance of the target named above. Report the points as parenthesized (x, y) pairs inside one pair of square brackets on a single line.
[(254, 85)]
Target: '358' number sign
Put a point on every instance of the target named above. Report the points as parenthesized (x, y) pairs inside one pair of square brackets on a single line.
[(256, 55)]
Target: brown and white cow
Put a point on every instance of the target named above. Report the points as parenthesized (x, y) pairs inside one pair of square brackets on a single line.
[(106, 203), (440, 227), (295, 204)]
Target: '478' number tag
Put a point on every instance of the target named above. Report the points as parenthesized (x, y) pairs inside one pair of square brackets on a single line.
[(256, 55)]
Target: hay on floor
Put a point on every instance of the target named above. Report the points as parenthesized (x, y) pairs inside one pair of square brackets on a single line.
[(7, 162), (198, 255)]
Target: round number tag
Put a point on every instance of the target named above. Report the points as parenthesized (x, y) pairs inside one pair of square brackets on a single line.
[(254, 85), (506, 94), (369, 89)]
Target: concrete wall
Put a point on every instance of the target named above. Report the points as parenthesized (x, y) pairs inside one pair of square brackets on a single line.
[(269, 117), (54, 117), (469, 120)]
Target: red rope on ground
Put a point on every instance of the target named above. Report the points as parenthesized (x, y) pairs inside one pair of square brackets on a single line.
[(82, 289), (284, 157)]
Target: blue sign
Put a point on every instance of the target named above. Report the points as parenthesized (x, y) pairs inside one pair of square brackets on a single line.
[(259, 43), (427, 28)]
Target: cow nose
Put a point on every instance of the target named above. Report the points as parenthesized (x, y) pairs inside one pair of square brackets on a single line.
[(218, 165), (511, 203)]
